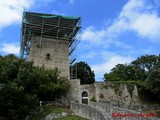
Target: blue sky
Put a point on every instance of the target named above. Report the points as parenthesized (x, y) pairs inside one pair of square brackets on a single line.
[(113, 31)]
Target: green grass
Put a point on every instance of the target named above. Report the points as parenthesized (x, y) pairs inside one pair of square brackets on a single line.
[(47, 110), (54, 109)]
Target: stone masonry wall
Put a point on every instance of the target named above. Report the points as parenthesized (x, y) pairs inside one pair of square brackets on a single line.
[(113, 110), (109, 99), (113, 93), (57, 51), (88, 112), (76, 90), (103, 93), (90, 89)]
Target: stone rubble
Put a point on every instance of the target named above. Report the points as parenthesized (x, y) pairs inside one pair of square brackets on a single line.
[(53, 115)]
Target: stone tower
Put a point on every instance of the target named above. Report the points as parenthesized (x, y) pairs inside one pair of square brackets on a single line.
[(49, 39)]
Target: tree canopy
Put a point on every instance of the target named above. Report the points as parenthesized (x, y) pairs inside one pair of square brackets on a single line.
[(84, 73), (138, 69), (22, 85)]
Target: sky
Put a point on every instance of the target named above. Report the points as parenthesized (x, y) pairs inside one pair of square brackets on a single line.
[(113, 31)]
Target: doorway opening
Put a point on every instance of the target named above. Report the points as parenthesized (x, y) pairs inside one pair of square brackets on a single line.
[(85, 97)]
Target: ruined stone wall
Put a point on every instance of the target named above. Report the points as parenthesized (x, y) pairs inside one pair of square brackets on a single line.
[(113, 110), (113, 93), (51, 53), (76, 90), (88, 112), (90, 89), (103, 92)]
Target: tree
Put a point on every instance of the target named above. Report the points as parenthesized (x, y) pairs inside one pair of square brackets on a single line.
[(84, 73), (122, 72), (35, 80), (139, 74), (153, 81), (45, 83), (146, 62), (136, 70), (9, 66), (14, 103), (22, 84)]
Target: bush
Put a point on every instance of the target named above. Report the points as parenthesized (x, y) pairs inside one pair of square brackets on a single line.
[(93, 99), (14, 103)]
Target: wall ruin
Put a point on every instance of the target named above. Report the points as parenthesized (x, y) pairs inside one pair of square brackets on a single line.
[(103, 92)]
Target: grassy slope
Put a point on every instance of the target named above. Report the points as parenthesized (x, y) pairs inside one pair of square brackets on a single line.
[(53, 109)]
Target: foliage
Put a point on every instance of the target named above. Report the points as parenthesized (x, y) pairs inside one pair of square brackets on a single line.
[(152, 84), (101, 96), (14, 103), (9, 68), (22, 84), (119, 72), (93, 99), (146, 62), (47, 109), (54, 109), (46, 84), (84, 73), (124, 73)]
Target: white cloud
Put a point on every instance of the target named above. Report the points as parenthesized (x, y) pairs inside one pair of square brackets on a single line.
[(139, 17), (10, 48), (136, 16), (113, 59), (93, 35), (102, 38), (11, 11), (147, 26)]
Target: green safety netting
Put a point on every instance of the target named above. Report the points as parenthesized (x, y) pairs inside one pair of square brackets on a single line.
[(54, 16), (65, 17)]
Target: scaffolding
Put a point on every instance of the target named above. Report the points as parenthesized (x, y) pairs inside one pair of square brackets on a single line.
[(52, 26)]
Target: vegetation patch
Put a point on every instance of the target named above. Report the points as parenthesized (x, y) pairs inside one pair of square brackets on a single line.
[(84, 73), (101, 96), (46, 110), (22, 85), (93, 99)]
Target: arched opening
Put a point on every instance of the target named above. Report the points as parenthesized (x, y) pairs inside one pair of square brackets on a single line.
[(84, 97), (48, 56)]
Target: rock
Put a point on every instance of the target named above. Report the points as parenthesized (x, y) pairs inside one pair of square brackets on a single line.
[(64, 114), (50, 117)]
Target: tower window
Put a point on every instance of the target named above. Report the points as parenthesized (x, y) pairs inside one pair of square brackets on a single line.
[(48, 56)]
